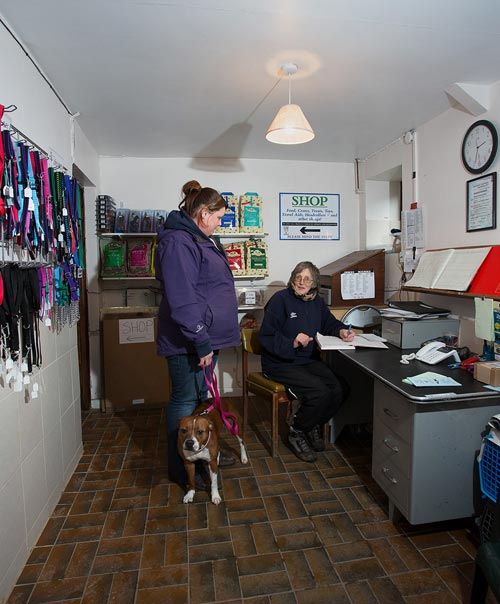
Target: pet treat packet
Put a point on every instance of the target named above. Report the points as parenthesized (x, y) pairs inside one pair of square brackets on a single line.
[(113, 258), (250, 213)]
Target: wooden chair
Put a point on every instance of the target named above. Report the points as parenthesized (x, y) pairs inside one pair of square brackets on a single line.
[(256, 383)]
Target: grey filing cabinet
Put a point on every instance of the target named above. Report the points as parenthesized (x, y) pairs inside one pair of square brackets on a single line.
[(422, 454)]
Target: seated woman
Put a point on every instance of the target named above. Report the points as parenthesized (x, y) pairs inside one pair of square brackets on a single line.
[(290, 355)]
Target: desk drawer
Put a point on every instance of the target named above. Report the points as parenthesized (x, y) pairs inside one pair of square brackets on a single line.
[(393, 411), (389, 446), (392, 481)]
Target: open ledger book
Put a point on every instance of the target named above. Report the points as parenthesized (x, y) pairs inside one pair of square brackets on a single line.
[(366, 340), (448, 269)]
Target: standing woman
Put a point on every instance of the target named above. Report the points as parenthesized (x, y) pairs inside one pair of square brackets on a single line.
[(198, 312), (292, 318)]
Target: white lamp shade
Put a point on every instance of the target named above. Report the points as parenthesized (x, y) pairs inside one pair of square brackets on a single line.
[(290, 127)]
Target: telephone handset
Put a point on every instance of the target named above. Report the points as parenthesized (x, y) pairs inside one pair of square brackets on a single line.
[(435, 352)]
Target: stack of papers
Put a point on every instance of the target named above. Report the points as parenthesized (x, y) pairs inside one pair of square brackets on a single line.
[(366, 340), (429, 378)]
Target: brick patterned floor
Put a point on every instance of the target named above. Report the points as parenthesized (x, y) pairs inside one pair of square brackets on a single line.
[(287, 532)]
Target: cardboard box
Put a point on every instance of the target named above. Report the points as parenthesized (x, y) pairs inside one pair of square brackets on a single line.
[(134, 375), (488, 372)]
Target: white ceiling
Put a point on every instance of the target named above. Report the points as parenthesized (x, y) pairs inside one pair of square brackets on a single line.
[(174, 78)]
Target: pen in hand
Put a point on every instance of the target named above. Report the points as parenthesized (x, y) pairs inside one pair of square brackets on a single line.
[(349, 329)]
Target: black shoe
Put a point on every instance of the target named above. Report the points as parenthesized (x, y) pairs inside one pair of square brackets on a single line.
[(300, 446), (315, 439), (226, 459)]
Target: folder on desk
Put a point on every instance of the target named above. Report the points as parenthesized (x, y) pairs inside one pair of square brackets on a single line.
[(487, 278), (418, 308)]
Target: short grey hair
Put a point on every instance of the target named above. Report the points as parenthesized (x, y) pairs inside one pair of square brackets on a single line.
[(301, 266)]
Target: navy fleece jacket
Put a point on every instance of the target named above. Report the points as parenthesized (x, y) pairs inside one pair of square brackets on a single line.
[(285, 316)]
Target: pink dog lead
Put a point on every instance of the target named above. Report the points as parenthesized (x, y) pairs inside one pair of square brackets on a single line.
[(228, 418)]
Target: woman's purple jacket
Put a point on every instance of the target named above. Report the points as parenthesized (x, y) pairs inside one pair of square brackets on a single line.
[(198, 311)]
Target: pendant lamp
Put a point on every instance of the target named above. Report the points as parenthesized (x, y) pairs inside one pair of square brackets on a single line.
[(290, 125)]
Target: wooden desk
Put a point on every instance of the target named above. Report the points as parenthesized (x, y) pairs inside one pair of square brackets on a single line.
[(424, 451)]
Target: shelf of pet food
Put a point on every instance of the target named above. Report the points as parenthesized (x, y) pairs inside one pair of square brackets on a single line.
[(111, 235), (236, 235)]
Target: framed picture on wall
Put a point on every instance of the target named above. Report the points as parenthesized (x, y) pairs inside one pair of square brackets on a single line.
[(481, 210)]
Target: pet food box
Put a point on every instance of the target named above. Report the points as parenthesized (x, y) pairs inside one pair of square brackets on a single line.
[(250, 213), (488, 372), (135, 376), (230, 221)]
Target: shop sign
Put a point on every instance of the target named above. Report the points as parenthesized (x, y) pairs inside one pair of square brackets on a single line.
[(312, 216)]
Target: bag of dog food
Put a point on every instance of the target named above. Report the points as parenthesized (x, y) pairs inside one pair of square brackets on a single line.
[(139, 258), (235, 253), (113, 258), (250, 213), (147, 221), (121, 220), (256, 257), (134, 221), (230, 221), (159, 219)]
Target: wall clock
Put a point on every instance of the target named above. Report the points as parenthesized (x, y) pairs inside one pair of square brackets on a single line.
[(479, 146)]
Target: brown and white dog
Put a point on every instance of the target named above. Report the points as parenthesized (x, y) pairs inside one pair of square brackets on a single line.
[(198, 440)]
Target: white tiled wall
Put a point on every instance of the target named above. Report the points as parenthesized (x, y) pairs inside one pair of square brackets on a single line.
[(40, 445)]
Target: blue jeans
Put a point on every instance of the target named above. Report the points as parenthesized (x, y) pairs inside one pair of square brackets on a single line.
[(188, 391)]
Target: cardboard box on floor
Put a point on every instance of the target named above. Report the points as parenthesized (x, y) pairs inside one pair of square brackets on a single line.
[(488, 372), (134, 375)]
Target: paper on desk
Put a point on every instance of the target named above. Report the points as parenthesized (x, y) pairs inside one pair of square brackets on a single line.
[(332, 343), (429, 378), (361, 340), (484, 319)]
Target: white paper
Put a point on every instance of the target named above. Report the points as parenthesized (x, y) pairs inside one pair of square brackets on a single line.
[(412, 228), (461, 268), (334, 343), (448, 269), (483, 322), (137, 330), (429, 378), (357, 285), (430, 266)]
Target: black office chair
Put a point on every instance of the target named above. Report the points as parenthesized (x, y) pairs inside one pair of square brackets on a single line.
[(363, 316), (487, 568)]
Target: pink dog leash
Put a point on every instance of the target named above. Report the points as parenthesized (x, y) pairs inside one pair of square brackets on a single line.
[(228, 418)]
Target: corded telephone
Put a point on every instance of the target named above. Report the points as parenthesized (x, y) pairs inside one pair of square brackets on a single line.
[(435, 352)]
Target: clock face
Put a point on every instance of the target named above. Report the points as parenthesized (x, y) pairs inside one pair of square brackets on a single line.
[(479, 146)]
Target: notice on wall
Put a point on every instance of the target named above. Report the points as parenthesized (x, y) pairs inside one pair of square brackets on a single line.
[(136, 330), (356, 285), (413, 228), (313, 216)]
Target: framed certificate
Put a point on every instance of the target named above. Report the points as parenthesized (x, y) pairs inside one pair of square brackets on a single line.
[(482, 203)]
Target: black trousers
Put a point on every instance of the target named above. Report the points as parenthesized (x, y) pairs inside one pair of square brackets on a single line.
[(321, 392)]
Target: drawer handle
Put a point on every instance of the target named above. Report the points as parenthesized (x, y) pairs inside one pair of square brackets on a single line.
[(387, 443), (390, 413), (388, 476)]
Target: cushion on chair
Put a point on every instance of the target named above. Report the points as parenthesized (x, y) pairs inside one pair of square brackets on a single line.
[(488, 558), (260, 380)]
